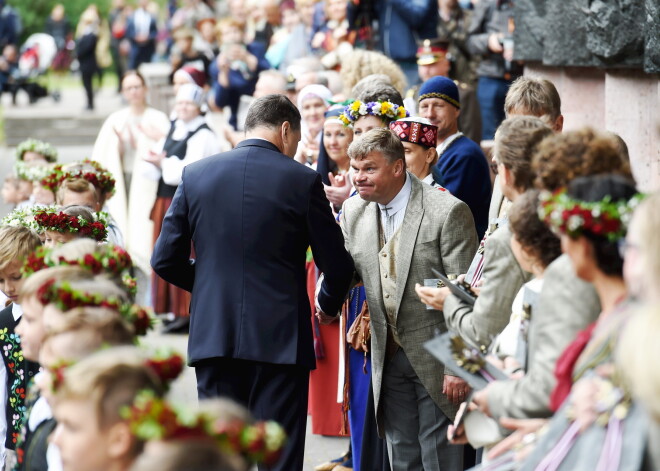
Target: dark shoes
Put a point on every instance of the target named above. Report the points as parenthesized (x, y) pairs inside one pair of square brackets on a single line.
[(180, 325)]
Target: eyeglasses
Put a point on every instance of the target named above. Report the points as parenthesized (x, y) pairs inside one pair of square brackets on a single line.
[(493, 167), (624, 246)]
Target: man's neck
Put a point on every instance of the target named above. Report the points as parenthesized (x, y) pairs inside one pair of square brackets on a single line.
[(265, 134), (395, 192), (448, 133)]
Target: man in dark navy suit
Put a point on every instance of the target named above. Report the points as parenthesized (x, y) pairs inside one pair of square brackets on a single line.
[(251, 214)]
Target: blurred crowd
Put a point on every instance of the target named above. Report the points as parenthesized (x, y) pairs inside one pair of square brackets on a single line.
[(502, 313)]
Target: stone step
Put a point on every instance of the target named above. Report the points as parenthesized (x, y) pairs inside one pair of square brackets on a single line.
[(64, 130)]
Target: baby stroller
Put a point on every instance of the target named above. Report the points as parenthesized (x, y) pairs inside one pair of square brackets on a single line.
[(37, 54)]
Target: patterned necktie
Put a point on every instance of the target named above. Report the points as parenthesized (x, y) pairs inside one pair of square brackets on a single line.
[(389, 223)]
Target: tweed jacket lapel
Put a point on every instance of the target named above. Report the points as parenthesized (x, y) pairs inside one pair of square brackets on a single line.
[(408, 237)]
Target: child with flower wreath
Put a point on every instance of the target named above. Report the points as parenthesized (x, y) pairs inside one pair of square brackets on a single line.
[(33, 163), (70, 223), (106, 259), (225, 433), (50, 295), (89, 398), (82, 332), (34, 150), (85, 183), (16, 243)]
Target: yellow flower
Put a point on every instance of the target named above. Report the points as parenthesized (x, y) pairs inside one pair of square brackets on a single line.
[(385, 108), (355, 106), (401, 112), (344, 119)]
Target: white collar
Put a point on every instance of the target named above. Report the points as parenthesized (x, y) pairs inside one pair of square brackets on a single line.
[(191, 125), (400, 201), (429, 179), (16, 311), (444, 144)]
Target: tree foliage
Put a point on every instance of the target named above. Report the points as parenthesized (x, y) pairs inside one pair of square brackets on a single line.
[(34, 13)]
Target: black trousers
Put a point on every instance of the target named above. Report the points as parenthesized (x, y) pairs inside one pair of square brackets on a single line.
[(269, 391), (87, 76)]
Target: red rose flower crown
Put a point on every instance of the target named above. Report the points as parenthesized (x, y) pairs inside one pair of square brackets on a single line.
[(606, 218)]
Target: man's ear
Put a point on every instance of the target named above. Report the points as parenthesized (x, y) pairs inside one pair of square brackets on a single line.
[(399, 167), (558, 125)]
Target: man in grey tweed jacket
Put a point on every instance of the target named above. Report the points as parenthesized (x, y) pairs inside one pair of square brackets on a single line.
[(396, 232)]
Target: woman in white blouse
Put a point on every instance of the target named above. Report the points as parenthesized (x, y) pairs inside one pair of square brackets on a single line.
[(190, 139)]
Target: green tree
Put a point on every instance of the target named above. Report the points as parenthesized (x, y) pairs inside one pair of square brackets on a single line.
[(34, 13)]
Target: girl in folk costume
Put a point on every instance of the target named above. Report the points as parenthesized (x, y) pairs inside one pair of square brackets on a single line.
[(375, 108), (639, 341), (325, 390), (121, 144), (591, 407), (190, 139), (313, 100)]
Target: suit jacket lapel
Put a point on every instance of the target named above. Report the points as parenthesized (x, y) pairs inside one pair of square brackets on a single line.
[(408, 237)]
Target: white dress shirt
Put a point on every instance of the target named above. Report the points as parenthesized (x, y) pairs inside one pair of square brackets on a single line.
[(204, 143), (392, 214), (142, 20)]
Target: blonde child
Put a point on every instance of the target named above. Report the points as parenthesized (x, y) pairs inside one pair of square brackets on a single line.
[(16, 243), (81, 332), (92, 433), (48, 296), (222, 431)]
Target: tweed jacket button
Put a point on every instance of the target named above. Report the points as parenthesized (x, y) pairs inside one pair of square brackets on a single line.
[(385, 275), (387, 296)]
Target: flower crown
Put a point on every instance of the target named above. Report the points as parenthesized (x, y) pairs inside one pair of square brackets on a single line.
[(604, 218), (53, 179), (51, 219), (66, 298), (109, 259), (23, 217), (31, 173), (384, 109), (153, 418), (35, 145), (101, 178), (167, 366)]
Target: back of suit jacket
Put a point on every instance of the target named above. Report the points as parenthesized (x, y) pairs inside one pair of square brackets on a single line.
[(251, 214)]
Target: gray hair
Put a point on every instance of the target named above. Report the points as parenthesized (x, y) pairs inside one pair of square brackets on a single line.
[(271, 111), (380, 140)]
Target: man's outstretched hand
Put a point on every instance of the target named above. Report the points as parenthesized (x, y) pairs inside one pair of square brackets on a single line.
[(324, 319)]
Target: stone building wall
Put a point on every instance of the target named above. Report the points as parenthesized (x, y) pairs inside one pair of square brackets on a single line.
[(604, 58)]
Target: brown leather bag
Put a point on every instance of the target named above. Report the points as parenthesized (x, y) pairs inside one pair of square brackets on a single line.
[(359, 334)]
